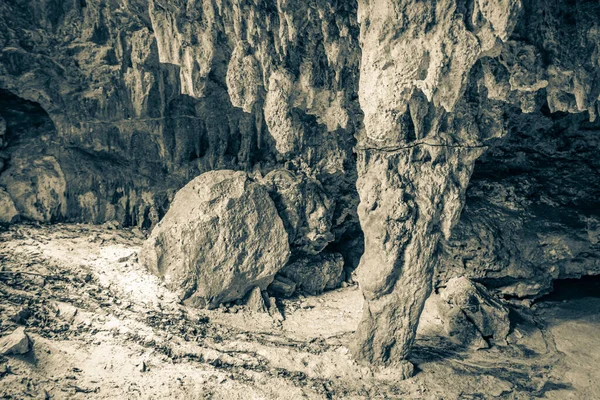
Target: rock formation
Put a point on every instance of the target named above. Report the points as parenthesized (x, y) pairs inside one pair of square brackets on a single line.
[(435, 77), (108, 108), (143, 96), (220, 238), (313, 275), (531, 211)]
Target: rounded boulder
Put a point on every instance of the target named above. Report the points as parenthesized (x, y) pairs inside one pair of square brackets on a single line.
[(221, 237)]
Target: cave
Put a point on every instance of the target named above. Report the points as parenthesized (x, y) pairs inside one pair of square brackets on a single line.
[(573, 288), (356, 199), (24, 119)]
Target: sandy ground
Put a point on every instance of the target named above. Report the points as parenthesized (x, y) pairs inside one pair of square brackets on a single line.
[(103, 328)]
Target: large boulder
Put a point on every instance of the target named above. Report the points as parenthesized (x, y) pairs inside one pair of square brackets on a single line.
[(305, 208), (221, 237)]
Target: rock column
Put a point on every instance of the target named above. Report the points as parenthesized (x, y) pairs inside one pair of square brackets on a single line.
[(422, 135), (408, 199)]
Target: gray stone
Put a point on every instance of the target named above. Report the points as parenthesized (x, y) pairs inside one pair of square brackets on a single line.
[(314, 274), (8, 211), (221, 237), (255, 301), (37, 187), (282, 286), (17, 343), (481, 309), (305, 208)]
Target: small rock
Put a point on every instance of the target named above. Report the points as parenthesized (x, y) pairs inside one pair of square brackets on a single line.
[(274, 310), (21, 316), (143, 367), (16, 343), (255, 301), (474, 305), (314, 274), (282, 286), (66, 311), (125, 258)]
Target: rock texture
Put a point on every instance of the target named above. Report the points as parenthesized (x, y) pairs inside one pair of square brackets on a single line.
[(142, 96), (108, 108), (313, 275), (305, 207), (471, 304), (531, 214), (435, 80), (16, 343), (220, 238), (8, 211)]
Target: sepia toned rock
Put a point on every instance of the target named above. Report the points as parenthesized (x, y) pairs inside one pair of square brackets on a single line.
[(8, 211), (255, 301), (314, 274), (487, 314), (221, 237), (405, 145), (16, 343)]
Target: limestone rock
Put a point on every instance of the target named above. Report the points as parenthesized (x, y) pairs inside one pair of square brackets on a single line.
[(8, 211), (527, 218), (314, 274), (436, 81), (305, 208), (221, 237), (16, 343), (142, 96), (274, 310), (255, 301), (282, 286), (37, 188), (487, 314)]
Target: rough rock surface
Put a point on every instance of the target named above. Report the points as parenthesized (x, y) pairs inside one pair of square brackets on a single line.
[(532, 208), (255, 301), (305, 208), (143, 96), (282, 286), (435, 80), (8, 211), (314, 274), (119, 104), (220, 238), (16, 343), (487, 314), (37, 189)]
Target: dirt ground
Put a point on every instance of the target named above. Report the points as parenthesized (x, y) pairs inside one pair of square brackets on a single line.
[(103, 328)]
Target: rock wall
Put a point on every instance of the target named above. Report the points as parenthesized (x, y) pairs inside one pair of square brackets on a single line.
[(127, 101), (146, 95), (532, 208)]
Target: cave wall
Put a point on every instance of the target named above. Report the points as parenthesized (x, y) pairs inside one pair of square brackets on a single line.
[(532, 208), (146, 95)]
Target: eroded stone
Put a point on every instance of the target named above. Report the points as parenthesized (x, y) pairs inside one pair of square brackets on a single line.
[(221, 237)]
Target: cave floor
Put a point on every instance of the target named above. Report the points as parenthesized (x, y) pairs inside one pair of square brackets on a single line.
[(102, 327)]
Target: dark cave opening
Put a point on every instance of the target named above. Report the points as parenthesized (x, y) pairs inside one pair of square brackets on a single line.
[(24, 119), (571, 289)]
